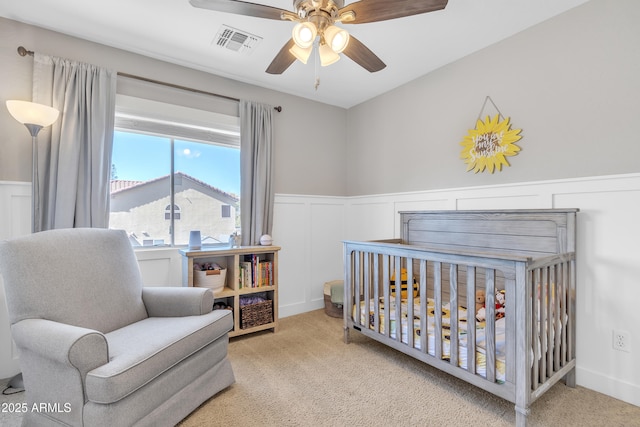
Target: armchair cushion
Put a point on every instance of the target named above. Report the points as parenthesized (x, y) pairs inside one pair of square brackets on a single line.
[(142, 351)]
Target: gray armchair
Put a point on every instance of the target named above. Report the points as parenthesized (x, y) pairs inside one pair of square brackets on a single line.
[(99, 349)]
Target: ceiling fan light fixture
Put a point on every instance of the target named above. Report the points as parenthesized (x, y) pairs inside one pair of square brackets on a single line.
[(302, 54), (304, 33), (327, 55), (337, 38)]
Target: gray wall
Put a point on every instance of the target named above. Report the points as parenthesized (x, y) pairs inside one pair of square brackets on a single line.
[(571, 84), (305, 163)]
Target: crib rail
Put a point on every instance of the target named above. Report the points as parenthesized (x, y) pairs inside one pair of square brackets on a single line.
[(553, 328), (539, 312)]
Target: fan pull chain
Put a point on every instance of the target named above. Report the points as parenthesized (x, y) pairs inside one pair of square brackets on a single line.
[(316, 48)]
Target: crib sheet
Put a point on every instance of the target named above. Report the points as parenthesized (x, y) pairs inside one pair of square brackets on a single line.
[(446, 344)]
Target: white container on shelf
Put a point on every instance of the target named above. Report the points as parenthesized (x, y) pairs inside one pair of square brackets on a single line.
[(213, 279)]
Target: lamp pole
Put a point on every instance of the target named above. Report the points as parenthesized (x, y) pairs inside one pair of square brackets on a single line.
[(35, 210), (35, 117)]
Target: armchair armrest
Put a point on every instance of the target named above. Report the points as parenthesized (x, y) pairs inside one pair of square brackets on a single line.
[(82, 348), (177, 301), (55, 359)]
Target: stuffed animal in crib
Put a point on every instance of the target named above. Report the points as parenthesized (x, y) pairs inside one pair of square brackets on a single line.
[(481, 314), (404, 286), (501, 302), (480, 311), (480, 297)]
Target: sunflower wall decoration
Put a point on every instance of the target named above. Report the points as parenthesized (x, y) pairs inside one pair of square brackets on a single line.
[(489, 144)]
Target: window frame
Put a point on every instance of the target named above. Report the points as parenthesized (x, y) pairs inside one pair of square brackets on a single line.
[(175, 122)]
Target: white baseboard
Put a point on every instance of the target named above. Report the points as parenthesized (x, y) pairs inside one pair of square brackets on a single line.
[(614, 387)]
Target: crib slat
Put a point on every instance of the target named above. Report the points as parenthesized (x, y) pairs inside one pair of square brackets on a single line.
[(471, 319), (454, 346), (535, 336), (410, 312), (490, 324), (551, 324), (357, 267), (366, 266), (571, 338), (557, 274), (542, 323), (424, 328), (398, 276), (563, 302), (386, 262), (376, 292), (510, 331), (437, 289)]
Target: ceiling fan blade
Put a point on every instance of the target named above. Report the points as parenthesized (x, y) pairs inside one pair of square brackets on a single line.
[(283, 59), (382, 10), (240, 8), (362, 56)]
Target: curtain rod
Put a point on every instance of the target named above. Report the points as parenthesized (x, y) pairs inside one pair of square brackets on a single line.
[(24, 52)]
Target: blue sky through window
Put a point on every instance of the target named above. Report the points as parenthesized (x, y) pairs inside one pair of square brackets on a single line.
[(141, 157)]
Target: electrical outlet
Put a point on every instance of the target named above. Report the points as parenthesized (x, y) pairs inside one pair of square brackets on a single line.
[(621, 340)]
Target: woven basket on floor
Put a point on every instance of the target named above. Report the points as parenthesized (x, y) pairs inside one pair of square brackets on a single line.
[(256, 314)]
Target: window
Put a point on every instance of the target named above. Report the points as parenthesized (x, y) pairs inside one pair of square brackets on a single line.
[(172, 173), (176, 212)]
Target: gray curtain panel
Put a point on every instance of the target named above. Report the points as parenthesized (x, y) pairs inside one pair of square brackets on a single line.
[(75, 156), (256, 171)]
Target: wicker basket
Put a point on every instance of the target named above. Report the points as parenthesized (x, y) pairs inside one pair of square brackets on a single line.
[(256, 314), (213, 279), (332, 309)]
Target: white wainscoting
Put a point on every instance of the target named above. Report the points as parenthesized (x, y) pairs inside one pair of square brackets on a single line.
[(160, 266), (15, 220), (310, 230)]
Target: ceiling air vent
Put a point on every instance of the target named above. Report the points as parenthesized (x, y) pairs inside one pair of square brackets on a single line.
[(236, 40)]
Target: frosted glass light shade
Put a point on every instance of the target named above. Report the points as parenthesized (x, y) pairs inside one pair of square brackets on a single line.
[(304, 33), (336, 38), (300, 53), (327, 55), (31, 113)]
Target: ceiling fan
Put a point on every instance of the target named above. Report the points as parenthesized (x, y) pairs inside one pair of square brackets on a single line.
[(317, 18)]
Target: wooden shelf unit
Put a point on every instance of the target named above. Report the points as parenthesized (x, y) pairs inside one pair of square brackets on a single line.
[(230, 259)]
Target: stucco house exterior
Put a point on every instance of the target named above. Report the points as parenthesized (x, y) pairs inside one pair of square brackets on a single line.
[(143, 209)]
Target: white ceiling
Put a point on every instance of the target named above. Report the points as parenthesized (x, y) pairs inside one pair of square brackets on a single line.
[(174, 31)]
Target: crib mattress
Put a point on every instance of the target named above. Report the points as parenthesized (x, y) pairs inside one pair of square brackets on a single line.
[(446, 343)]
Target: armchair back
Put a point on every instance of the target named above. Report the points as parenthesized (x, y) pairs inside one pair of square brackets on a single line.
[(85, 277)]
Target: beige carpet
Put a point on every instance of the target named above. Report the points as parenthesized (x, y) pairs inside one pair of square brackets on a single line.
[(304, 375)]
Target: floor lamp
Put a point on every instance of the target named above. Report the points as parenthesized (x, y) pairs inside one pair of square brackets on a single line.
[(34, 117)]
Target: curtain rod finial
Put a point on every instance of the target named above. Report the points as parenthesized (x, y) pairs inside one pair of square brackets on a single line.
[(278, 109), (24, 52)]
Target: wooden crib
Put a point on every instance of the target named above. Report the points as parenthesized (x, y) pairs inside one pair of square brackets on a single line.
[(524, 344)]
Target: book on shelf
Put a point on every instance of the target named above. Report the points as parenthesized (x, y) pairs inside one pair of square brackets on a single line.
[(256, 272), (245, 274)]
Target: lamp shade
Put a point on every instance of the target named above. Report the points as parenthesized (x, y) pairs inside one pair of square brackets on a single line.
[(327, 55), (304, 33), (31, 113), (336, 38), (301, 53)]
